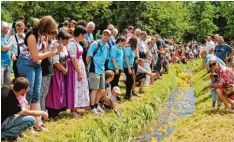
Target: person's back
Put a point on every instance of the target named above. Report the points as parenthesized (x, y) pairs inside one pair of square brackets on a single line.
[(10, 104)]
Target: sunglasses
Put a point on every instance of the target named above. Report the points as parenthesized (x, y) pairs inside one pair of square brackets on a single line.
[(211, 65)]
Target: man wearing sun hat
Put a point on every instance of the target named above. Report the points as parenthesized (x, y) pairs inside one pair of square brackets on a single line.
[(96, 58)]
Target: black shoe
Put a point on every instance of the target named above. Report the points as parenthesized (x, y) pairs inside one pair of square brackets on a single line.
[(119, 100), (135, 94), (127, 98)]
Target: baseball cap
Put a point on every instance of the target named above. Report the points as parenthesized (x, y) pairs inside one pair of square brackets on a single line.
[(116, 89), (107, 31)]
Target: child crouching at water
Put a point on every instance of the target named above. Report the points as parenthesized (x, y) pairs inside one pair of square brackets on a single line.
[(214, 79), (110, 97)]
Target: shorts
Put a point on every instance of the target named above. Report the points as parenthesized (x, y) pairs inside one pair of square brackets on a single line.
[(96, 81), (140, 76), (213, 96)]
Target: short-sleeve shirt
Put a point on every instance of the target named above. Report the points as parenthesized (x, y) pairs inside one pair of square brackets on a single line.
[(100, 57), (148, 56), (154, 51), (5, 56), (222, 51), (226, 76), (141, 45), (117, 53), (89, 36), (75, 49), (141, 69), (10, 104), (14, 47), (131, 55)]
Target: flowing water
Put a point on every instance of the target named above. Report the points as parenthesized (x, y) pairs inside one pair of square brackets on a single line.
[(180, 103)]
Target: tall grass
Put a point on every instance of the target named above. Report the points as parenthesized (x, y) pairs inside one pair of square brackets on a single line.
[(107, 127)]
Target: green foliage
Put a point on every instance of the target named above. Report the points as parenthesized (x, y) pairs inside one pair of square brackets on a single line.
[(165, 18), (202, 14)]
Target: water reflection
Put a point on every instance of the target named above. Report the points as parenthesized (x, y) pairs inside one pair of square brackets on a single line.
[(180, 103)]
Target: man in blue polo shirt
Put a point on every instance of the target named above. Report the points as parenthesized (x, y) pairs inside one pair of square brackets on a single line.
[(5, 55), (96, 57), (223, 51)]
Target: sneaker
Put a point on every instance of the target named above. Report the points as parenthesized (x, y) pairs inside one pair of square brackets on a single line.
[(95, 111), (229, 110), (135, 94), (99, 109)]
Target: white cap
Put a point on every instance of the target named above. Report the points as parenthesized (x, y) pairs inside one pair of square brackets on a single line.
[(116, 89), (107, 31)]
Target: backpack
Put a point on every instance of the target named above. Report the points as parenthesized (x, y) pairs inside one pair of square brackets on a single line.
[(92, 65)]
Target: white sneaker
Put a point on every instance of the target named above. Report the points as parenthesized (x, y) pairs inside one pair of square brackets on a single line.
[(99, 109), (95, 111), (229, 110)]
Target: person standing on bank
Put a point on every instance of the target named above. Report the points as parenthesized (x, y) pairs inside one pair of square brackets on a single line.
[(96, 58), (77, 84), (18, 40), (116, 60), (56, 99), (29, 60), (5, 55), (14, 118), (128, 61)]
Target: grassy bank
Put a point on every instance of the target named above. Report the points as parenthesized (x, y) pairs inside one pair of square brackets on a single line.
[(107, 127), (204, 125)]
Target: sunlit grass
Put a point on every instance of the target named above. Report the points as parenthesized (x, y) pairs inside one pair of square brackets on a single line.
[(204, 125), (107, 127)]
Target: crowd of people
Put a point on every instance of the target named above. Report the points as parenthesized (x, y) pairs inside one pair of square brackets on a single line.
[(64, 66)]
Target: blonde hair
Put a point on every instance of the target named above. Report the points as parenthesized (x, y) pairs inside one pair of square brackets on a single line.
[(109, 74)]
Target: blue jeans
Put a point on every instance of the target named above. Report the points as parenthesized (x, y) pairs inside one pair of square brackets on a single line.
[(15, 124), (5, 74), (33, 73)]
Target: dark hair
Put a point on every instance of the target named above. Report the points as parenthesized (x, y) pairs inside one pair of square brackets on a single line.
[(21, 83), (21, 17), (79, 29), (82, 22), (120, 39), (133, 42), (63, 34)]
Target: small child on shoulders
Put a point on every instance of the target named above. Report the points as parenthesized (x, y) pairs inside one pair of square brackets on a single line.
[(214, 79)]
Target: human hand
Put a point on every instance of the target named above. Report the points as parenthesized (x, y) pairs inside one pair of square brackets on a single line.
[(130, 71), (13, 58), (116, 71), (79, 77), (45, 115), (65, 72)]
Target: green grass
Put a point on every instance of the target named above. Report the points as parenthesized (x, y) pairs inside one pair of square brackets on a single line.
[(107, 127), (204, 125)]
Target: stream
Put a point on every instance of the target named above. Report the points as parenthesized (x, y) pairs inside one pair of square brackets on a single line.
[(180, 104)]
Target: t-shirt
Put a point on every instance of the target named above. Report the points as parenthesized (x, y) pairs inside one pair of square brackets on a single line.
[(14, 47), (107, 86), (154, 52), (131, 55), (5, 56), (89, 36), (100, 57), (10, 104), (222, 51), (141, 69), (117, 53)]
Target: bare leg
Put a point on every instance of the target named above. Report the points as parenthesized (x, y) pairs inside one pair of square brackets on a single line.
[(93, 96)]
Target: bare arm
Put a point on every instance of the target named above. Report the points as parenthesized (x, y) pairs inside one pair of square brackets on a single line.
[(34, 113), (88, 58), (33, 50), (127, 62), (60, 67), (7, 47), (114, 63)]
